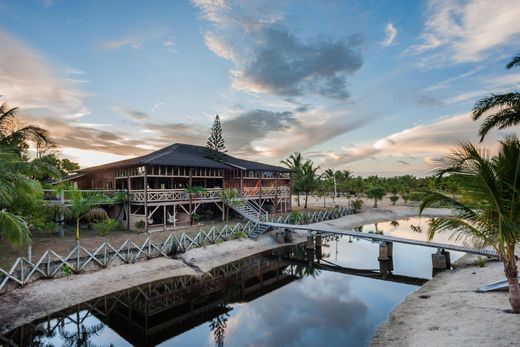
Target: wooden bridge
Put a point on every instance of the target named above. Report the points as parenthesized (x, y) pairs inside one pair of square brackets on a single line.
[(326, 230)]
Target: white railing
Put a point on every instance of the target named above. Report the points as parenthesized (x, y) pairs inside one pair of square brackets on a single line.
[(266, 191), (162, 195)]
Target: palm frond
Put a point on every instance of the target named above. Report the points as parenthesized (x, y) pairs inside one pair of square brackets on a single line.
[(507, 100), (14, 228), (515, 61)]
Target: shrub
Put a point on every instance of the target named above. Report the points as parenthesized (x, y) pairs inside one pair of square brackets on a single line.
[(140, 224), (294, 217), (480, 262), (357, 205), (108, 225), (394, 199)]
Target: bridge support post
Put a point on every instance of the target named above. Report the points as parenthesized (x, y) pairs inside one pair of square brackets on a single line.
[(386, 250), (280, 236), (319, 243), (289, 235), (441, 260)]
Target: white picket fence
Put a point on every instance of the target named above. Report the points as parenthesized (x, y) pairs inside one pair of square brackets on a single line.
[(80, 259)]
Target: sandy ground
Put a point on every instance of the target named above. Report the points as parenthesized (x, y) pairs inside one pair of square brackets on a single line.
[(448, 312), (37, 299)]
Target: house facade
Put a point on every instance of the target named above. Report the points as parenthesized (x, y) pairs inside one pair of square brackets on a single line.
[(170, 187)]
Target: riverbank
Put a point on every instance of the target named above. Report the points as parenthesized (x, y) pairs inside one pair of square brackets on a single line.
[(40, 298), (447, 311)]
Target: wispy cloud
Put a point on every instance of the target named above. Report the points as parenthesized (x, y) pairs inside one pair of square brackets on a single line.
[(131, 114), (137, 40), (391, 34), (469, 30)]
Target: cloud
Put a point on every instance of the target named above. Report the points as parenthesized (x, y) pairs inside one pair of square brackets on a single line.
[(391, 33), (27, 80), (242, 131), (421, 141), (268, 58), (129, 41), (470, 30), (169, 46), (134, 115)]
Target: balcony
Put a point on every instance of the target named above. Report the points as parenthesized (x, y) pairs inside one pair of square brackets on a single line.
[(210, 195), (168, 195)]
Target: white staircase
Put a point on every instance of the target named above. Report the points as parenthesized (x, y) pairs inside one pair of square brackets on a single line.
[(252, 211)]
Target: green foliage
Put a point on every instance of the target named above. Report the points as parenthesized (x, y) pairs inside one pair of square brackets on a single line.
[(393, 199), (489, 214), (107, 225), (241, 235), (500, 110), (481, 262), (195, 217), (67, 270), (376, 193), (357, 205), (215, 144), (295, 216), (196, 189), (140, 224)]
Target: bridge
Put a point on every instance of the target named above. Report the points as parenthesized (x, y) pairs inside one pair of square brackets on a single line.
[(326, 230)]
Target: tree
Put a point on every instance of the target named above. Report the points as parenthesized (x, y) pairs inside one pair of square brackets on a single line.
[(295, 164), (308, 182), (502, 110), (84, 206), (18, 193), (215, 145), (488, 207), (14, 134), (376, 193)]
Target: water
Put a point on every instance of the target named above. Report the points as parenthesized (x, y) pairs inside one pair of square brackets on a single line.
[(271, 299)]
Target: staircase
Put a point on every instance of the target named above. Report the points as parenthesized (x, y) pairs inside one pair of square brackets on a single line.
[(253, 212)]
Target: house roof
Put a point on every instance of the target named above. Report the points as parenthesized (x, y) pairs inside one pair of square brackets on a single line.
[(180, 154)]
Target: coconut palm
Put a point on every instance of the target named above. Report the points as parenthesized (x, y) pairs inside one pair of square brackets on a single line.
[(13, 134), (487, 209), (502, 110), (15, 185), (84, 206), (376, 193), (295, 164), (308, 181)]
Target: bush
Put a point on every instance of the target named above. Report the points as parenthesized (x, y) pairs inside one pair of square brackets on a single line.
[(394, 199), (480, 262), (294, 217), (357, 205), (108, 225), (140, 224)]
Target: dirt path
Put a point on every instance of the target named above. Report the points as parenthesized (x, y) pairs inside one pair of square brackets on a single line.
[(448, 312)]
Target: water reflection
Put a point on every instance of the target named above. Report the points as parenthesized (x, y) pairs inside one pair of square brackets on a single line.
[(292, 296)]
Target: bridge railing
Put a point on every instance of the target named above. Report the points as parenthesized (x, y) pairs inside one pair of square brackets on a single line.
[(312, 217)]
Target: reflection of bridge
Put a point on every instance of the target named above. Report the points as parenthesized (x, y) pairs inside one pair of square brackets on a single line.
[(383, 274), (327, 230)]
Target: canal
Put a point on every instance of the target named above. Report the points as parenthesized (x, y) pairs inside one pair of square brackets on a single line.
[(284, 297)]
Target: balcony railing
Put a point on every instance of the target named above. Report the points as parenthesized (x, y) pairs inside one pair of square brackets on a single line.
[(213, 194), (162, 195)]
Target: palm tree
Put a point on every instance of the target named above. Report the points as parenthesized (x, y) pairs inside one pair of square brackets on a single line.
[(14, 184), (308, 182), (503, 110), (487, 209), (84, 206), (13, 134), (295, 164), (376, 193)]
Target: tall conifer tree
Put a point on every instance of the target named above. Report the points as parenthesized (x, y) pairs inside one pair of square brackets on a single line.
[(215, 145)]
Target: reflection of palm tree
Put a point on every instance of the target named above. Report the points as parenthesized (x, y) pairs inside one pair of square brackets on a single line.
[(83, 333), (218, 327)]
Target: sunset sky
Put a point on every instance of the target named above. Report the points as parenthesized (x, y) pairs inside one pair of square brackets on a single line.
[(371, 86)]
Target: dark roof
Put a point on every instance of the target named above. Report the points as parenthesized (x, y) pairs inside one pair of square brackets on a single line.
[(180, 154)]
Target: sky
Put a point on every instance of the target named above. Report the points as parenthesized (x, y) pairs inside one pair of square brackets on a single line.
[(375, 87)]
